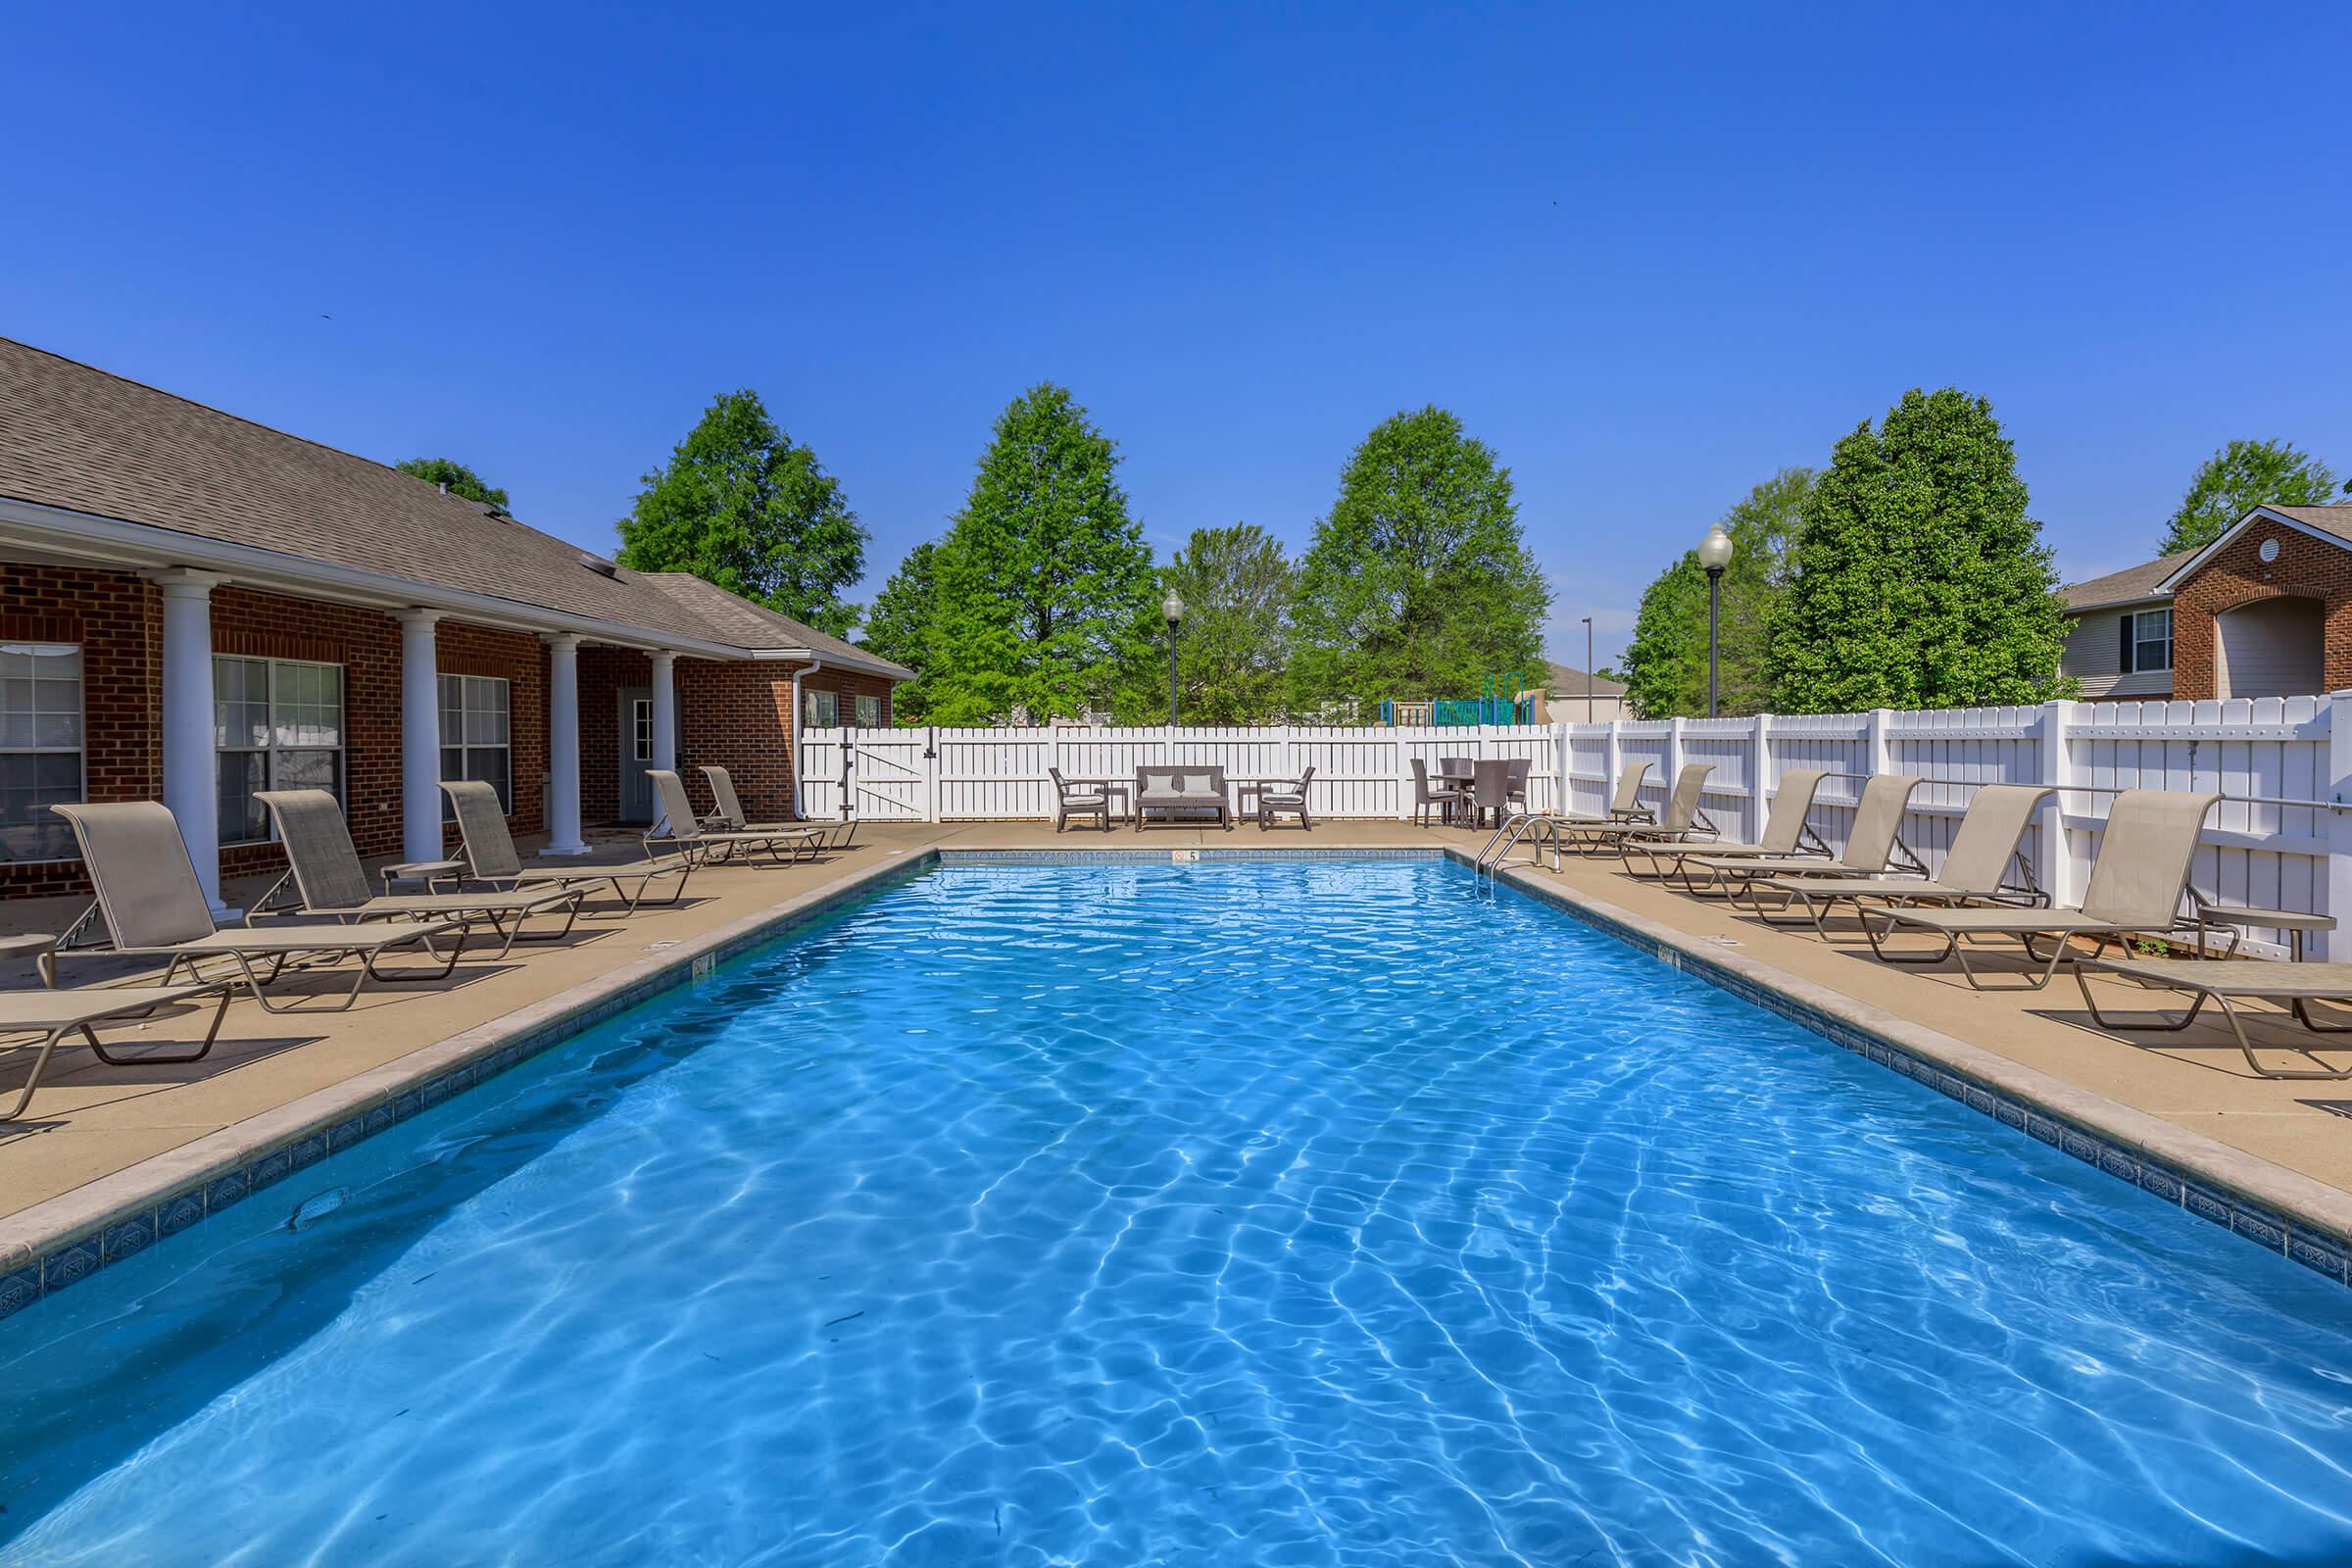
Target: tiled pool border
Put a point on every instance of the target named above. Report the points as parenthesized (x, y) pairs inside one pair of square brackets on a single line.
[(63, 1241)]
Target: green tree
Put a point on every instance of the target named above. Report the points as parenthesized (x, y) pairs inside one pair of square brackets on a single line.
[(1920, 580), (2243, 475), (899, 628), (1418, 582), (461, 481), (1233, 647), (1044, 579), (1667, 659), (740, 505)]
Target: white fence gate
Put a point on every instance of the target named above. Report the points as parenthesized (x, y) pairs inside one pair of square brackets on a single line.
[(2282, 839)]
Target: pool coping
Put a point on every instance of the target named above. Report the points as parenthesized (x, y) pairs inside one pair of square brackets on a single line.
[(65, 1238)]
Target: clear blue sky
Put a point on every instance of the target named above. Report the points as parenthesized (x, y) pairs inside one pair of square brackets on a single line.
[(1649, 260)]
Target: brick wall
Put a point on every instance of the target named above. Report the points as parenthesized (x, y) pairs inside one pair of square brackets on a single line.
[(117, 620), (2237, 575), (521, 660), (738, 715)]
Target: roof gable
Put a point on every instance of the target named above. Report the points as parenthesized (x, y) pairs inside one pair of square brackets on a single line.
[(2331, 525)]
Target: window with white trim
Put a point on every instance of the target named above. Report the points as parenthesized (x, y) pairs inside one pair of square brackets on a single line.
[(2147, 641), (476, 739), (869, 712), (278, 724), (821, 710), (41, 748)]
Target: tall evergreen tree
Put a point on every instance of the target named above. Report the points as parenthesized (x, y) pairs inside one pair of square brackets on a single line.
[(1044, 579), (899, 628), (459, 478), (1418, 582), (1666, 663), (742, 506), (2243, 475), (1233, 649), (1920, 580)]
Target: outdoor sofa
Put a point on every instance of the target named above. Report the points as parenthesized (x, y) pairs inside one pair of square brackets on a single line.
[(1180, 793)]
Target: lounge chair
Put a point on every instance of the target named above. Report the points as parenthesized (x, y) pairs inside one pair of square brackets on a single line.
[(1285, 796), (330, 884), (56, 1014), (2298, 985), (1624, 805), (1976, 870), (1681, 819), (727, 815), (1179, 792), (492, 862), (153, 908), (1072, 799), (2136, 888), (1873, 842), (1785, 834), (676, 825)]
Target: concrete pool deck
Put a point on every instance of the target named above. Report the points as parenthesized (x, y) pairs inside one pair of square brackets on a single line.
[(98, 1140)]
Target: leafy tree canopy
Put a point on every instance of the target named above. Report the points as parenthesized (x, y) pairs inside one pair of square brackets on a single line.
[(1233, 647), (461, 481), (1044, 579), (1920, 580), (1667, 661), (1418, 582), (899, 628), (740, 505), (2243, 475)]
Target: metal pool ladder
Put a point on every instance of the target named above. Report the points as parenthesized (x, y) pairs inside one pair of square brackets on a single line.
[(1535, 827)]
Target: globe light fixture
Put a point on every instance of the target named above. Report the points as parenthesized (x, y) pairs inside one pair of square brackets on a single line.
[(1173, 609)]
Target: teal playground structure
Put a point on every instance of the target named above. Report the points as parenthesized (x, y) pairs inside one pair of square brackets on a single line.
[(1500, 701)]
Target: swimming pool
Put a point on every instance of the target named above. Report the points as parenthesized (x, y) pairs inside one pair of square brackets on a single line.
[(1272, 1213)]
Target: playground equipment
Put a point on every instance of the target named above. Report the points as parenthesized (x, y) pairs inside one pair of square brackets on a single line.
[(1500, 701)]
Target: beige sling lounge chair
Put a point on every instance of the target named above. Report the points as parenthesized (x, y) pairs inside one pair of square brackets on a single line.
[(2136, 888), (726, 815), (1680, 820), (2297, 984), (331, 883), (676, 825), (1787, 835), (1625, 805), (55, 1014), (491, 860), (153, 908), (1873, 843), (1976, 870)]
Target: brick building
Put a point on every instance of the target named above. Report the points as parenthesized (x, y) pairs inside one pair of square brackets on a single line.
[(2263, 611), (194, 607)]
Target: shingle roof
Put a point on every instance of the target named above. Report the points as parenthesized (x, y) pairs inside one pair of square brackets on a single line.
[(2334, 520), (1567, 681), (79, 438), (2124, 586)]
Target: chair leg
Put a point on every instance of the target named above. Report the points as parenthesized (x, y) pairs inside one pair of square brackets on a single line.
[(40, 1065), (198, 1054)]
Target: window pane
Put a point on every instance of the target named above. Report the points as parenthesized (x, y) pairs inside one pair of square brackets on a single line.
[(243, 820), (490, 765), (308, 770), (241, 702), (29, 786), (57, 729)]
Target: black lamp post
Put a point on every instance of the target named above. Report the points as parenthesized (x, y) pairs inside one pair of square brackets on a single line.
[(1588, 669), (1173, 609), (1714, 554)]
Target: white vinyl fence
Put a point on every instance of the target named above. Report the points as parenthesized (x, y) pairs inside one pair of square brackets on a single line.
[(2279, 841)]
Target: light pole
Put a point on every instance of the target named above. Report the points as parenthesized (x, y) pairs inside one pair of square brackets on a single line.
[(1714, 554), (1588, 669), (1173, 609)]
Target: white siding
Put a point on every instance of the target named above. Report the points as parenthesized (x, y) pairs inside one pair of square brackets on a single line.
[(2093, 657)]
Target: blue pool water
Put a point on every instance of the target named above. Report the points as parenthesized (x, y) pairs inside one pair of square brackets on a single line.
[(1279, 1214)]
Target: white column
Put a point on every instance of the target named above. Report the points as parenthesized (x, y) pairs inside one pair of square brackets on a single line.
[(2337, 891), (665, 712), (564, 746), (420, 837), (191, 776)]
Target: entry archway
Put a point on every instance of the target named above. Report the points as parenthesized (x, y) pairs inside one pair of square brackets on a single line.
[(2269, 647)]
